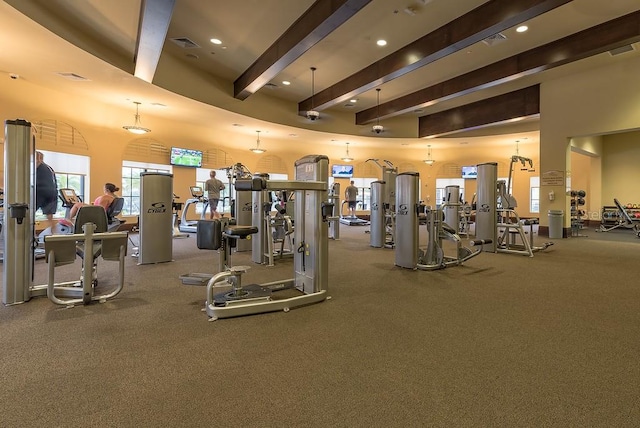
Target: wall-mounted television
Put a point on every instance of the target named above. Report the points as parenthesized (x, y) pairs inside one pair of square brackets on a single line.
[(185, 157), (469, 172), (342, 171)]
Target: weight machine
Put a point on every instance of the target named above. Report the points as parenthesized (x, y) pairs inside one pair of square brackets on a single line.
[(623, 219), (311, 258), (496, 218), (19, 234), (408, 253), (240, 202), (383, 206)]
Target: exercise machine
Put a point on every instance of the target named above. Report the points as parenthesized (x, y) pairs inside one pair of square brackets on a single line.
[(18, 233), (385, 201), (350, 220), (497, 221), (197, 197), (176, 207), (623, 219), (156, 229), (408, 253), (218, 235), (311, 259), (336, 218), (272, 229)]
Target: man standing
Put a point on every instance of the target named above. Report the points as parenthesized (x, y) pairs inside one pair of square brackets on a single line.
[(46, 190), (350, 195), (213, 186)]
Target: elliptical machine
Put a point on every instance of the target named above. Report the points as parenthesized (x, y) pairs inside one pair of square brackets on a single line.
[(197, 197)]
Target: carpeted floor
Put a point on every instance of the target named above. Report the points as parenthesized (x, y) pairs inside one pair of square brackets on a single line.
[(505, 340)]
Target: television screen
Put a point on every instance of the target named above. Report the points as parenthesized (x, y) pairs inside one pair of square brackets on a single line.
[(469, 172), (185, 157), (342, 171)]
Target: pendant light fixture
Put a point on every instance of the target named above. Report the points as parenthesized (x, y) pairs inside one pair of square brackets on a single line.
[(136, 128), (347, 158), (257, 149), (377, 128), (312, 115), (429, 160)]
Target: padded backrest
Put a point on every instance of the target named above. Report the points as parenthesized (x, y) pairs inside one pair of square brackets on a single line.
[(91, 214), (111, 247), (623, 212), (114, 209), (209, 234)]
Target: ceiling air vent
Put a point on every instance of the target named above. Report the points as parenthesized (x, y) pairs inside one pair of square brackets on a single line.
[(185, 42), (495, 39), (73, 76), (621, 50)]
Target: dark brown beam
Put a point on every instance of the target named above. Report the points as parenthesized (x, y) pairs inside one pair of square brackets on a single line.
[(513, 105), (323, 17), (482, 22), (601, 38)]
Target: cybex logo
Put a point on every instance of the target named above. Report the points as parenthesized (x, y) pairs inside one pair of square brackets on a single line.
[(157, 208), (247, 206), (485, 208), (403, 209), (374, 206)]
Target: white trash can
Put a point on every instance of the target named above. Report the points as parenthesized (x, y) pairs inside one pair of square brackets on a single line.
[(556, 223)]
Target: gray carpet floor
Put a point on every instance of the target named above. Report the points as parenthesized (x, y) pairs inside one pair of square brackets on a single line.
[(502, 341)]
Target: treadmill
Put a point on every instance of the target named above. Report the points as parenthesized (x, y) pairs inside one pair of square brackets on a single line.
[(351, 220)]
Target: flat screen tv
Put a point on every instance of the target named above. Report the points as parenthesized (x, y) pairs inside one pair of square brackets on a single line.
[(469, 172), (185, 157), (342, 171)]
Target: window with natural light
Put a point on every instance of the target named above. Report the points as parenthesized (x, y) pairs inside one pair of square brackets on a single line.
[(130, 189)]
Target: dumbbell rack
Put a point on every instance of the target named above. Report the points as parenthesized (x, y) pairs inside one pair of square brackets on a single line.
[(577, 214)]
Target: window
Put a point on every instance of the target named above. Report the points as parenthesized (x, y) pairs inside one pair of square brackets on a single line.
[(130, 190), (202, 175), (534, 194)]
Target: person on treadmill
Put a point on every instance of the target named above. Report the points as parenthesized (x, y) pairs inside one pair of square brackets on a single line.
[(350, 195)]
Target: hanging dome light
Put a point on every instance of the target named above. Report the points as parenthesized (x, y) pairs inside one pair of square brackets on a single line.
[(257, 148), (136, 128), (347, 158), (377, 128), (429, 160), (313, 115)]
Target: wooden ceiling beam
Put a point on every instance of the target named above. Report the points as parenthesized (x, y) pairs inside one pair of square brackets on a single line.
[(596, 40), (507, 107), (484, 21), (323, 17)]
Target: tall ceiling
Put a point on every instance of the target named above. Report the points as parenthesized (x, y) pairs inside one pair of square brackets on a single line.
[(440, 55)]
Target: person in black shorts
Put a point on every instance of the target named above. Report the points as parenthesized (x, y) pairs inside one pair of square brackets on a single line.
[(351, 194), (46, 189)]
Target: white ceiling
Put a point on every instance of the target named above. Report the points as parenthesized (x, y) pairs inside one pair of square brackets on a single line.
[(108, 29)]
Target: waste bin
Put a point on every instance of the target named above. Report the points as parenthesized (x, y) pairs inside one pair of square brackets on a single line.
[(556, 222)]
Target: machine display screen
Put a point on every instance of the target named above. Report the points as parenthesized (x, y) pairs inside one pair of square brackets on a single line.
[(469, 172), (185, 157), (342, 171)]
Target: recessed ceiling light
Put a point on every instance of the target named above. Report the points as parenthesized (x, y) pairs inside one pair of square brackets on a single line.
[(353, 101), (522, 29), (293, 135), (216, 41), (381, 42), (286, 82)]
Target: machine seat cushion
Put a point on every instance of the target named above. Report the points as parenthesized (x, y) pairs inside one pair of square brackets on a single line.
[(240, 232)]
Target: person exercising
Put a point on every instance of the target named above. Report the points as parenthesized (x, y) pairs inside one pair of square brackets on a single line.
[(213, 186), (350, 195), (104, 200)]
